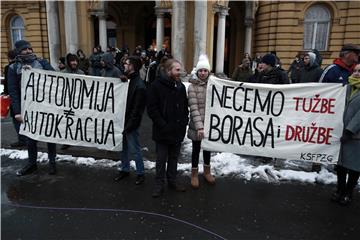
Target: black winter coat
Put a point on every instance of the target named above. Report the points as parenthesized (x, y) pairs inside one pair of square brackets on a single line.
[(135, 103), (168, 108), (274, 76), (310, 73)]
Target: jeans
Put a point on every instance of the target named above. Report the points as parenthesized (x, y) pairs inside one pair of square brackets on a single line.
[(196, 152), (32, 151), (166, 153), (132, 151)]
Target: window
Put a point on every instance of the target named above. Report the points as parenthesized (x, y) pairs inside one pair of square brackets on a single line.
[(17, 29), (316, 28)]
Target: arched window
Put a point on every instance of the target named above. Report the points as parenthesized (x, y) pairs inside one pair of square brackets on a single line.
[(17, 29), (316, 28)]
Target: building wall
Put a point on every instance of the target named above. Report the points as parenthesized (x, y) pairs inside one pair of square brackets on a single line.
[(34, 17), (279, 27)]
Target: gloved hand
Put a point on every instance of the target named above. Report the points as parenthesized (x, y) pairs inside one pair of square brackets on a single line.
[(347, 136), (123, 78)]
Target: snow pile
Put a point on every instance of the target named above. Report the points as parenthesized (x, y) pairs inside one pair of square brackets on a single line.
[(223, 164)]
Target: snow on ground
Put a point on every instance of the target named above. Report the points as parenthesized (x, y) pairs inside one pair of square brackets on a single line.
[(223, 165)]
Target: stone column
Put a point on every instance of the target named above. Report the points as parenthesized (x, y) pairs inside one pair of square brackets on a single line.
[(159, 28), (52, 16), (220, 47), (249, 20), (200, 26), (178, 31), (102, 31), (71, 26)]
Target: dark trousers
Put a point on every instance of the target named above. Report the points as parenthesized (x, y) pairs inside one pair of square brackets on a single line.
[(196, 146), (343, 186), (166, 153), (33, 152)]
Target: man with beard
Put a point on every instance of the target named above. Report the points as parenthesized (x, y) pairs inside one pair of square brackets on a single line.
[(135, 106), (27, 59), (168, 108), (71, 66)]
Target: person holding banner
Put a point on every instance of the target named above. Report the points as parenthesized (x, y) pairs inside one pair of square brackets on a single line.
[(167, 106), (135, 106), (71, 66), (349, 162), (197, 100), (27, 59)]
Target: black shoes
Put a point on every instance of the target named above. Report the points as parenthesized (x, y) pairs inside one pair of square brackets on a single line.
[(28, 169), (140, 179), (52, 168), (345, 200), (18, 144), (121, 175), (342, 199), (157, 192)]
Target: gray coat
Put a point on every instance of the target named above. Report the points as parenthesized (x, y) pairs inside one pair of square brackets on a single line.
[(196, 99), (350, 151)]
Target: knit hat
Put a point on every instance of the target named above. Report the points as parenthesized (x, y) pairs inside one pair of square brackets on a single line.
[(21, 45), (203, 63), (269, 59)]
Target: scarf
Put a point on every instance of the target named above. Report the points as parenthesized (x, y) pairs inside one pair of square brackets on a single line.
[(355, 85), (339, 62)]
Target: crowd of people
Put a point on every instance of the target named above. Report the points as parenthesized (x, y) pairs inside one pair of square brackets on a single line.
[(155, 85)]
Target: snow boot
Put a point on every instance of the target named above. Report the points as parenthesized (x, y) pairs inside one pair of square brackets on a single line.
[(194, 178), (207, 175)]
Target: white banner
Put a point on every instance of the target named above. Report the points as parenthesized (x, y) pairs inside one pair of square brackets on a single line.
[(73, 109), (297, 121)]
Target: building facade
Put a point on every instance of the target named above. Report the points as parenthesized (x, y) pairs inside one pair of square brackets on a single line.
[(225, 30)]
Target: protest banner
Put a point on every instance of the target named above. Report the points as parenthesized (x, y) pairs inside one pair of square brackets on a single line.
[(291, 121), (73, 109)]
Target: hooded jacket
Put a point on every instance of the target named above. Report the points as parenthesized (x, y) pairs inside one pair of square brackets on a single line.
[(68, 69), (311, 72), (110, 70), (167, 106)]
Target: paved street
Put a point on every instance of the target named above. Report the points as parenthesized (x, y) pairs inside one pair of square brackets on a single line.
[(83, 202)]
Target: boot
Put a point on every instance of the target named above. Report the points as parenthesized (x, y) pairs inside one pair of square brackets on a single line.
[(207, 175), (194, 178)]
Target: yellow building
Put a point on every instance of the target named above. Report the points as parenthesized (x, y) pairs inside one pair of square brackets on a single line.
[(225, 30)]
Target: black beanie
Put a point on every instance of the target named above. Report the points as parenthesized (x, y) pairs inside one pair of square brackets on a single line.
[(269, 59), (21, 45)]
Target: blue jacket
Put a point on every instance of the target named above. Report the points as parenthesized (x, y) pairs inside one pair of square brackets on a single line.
[(14, 78), (335, 73)]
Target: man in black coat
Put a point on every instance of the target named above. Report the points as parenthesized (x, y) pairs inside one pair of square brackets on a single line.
[(168, 108), (135, 106), (270, 73), (26, 58), (311, 72)]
